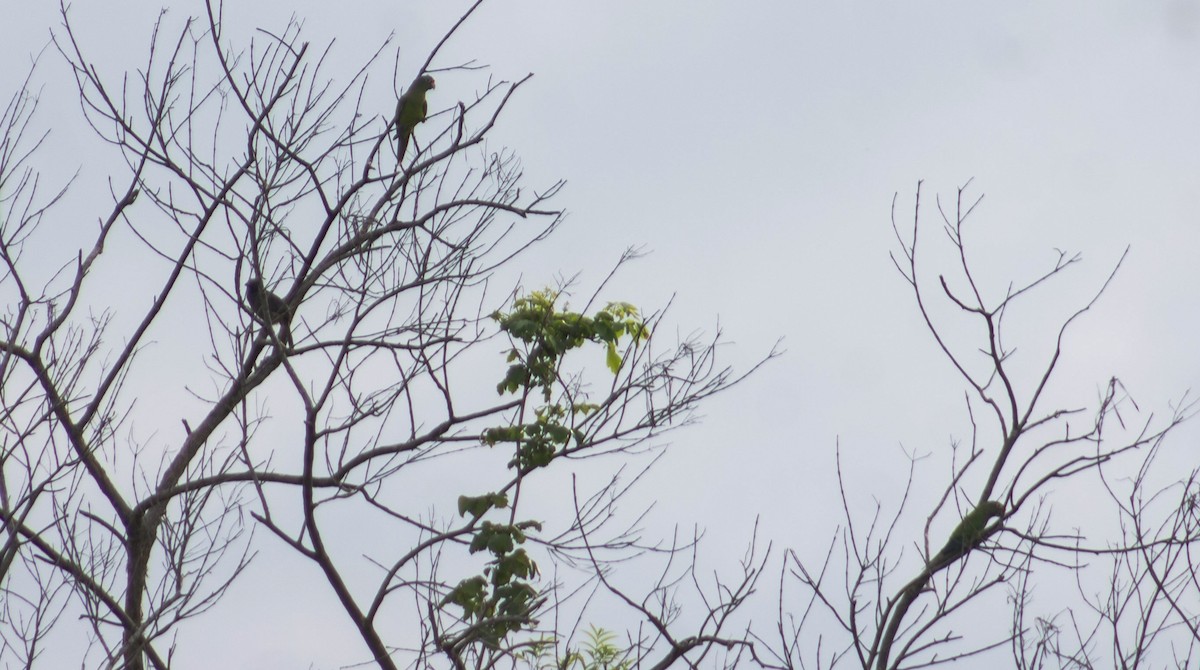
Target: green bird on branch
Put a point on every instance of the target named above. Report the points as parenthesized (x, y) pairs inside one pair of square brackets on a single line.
[(411, 109), (969, 533)]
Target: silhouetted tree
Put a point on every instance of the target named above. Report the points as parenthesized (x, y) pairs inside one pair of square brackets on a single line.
[(343, 444)]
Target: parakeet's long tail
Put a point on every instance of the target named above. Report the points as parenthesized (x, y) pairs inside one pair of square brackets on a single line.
[(402, 146)]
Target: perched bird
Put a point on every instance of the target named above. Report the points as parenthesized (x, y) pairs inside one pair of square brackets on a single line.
[(270, 308), (968, 534), (411, 110)]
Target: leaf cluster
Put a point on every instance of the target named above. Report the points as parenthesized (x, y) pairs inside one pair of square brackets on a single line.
[(503, 598), (548, 334)]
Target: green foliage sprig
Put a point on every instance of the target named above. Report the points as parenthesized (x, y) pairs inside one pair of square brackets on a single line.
[(549, 334), (598, 651), (503, 599)]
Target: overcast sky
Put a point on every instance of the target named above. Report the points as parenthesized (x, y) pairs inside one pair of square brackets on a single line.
[(754, 148)]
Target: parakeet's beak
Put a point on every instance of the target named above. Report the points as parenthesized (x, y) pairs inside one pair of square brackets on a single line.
[(432, 83)]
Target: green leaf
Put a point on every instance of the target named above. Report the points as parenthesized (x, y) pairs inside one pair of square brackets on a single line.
[(477, 506), (469, 595), (613, 359)]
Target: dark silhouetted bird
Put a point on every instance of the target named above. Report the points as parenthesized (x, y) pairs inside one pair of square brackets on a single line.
[(270, 308), (411, 109)]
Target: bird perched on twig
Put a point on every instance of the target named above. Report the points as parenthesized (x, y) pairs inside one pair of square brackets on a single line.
[(968, 534), (411, 109), (270, 308)]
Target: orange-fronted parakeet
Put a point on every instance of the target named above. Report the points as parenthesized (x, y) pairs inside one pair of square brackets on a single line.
[(411, 110), (968, 534)]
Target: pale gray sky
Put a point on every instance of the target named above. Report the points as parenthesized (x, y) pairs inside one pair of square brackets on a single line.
[(754, 148)]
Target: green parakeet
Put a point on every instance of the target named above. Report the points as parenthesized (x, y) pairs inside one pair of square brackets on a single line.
[(411, 110), (969, 533)]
